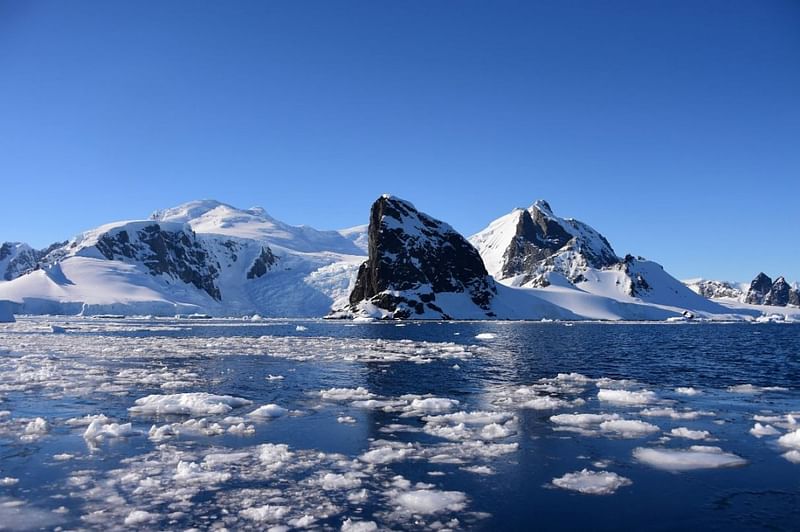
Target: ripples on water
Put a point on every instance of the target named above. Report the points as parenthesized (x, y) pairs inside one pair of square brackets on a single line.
[(419, 426)]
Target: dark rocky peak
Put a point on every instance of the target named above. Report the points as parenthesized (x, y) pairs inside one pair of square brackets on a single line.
[(781, 294), (412, 258), (758, 290)]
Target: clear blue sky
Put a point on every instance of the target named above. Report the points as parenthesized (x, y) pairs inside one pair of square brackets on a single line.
[(673, 127)]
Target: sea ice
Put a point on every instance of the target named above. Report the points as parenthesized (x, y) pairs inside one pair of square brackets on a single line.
[(485, 336), (685, 432), (346, 394), (791, 440), (760, 430), (428, 501), (268, 411), (687, 390), (626, 397), (193, 404), (695, 457), (592, 482), (628, 428)]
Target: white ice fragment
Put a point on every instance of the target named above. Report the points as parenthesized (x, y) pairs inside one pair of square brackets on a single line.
[(685, 432), (592, 482), (791, 440), (271, 377), (269, 513), (8, 481), (687, 390), (695, 457), (628, 428), (432, 405), (35, 430), (793, 456), (346, 419), (268, 411), (582, 420), (99, 430), (427, 501), (752, 389), (760, 430), (193, 404), (140, 517), (359, 526), (383, 455), (626, 397), (346, 394)]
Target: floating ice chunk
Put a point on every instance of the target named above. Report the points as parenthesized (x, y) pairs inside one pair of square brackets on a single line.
[(628, 428), (302, 522), (61, 457), (674, 414), (470, 418), (485, 336), (791, 440), (687, 390), (268, 411), (479, 470), (193, 404), (8, 481), (274, 455), (432, 405), (793, 456), (140, 517), (684, 432), (760, 430), (359, 526), (346, 394), (271, 377), (592, 482), (192, 472), (626, 397), (213, 459), (695, 457), (582, 420), (301, 328), (428, 501), (335, 481), (496, 431), (546, 402), (346, 419), (100, 430), (752, 389), (269, 513), (384, 455), (35, 430)]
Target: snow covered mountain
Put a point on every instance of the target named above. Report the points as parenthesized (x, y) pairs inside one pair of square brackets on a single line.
[(712, 289), (203, 256), (534, 248), (419, 267)]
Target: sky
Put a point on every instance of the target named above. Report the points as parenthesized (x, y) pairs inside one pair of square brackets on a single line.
[(673, 127)]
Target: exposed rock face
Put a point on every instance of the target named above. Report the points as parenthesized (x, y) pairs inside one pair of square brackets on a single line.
[(758, 290), (263, 263), (763, 291), (527, 244), (412, 259), (715, 289), (175, 253)]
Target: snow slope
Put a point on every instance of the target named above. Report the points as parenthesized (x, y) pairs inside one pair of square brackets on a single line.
[(202, 256)]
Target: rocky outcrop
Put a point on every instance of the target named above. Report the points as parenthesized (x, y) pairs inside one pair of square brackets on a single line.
[(763, 291), (175, 253), (263, 263), (413, 260), (526, 245), (711, 289)]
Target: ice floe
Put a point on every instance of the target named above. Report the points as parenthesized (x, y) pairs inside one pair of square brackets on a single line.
[(592, 482), (689, 434), (192, 404), (627, 397), (695, 457)]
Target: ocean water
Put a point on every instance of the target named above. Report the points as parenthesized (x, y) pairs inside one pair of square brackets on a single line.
[(419, 426)]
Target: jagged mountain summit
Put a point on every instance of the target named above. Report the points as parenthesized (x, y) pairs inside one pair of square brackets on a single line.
[(202, 256), (534, 248), (419, 266)]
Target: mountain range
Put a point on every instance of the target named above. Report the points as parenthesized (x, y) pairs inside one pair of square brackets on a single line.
[(210, 258)]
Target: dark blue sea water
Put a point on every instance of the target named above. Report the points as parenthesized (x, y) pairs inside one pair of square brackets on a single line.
[(391, 462)]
